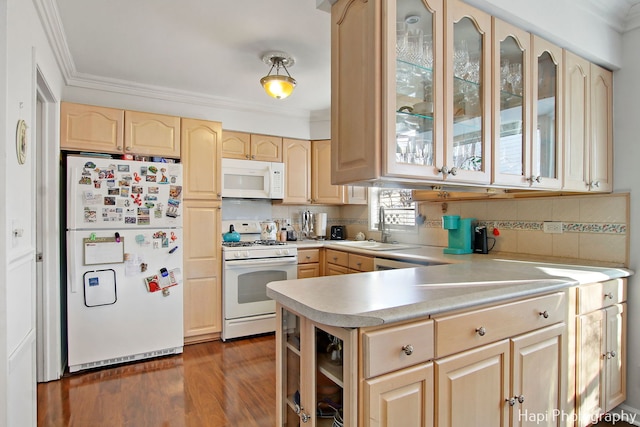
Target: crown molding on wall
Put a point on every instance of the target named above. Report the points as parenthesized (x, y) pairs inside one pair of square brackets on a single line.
[(52, 25)]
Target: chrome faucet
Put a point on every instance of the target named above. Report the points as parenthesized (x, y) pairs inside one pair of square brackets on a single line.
[(382, 226)]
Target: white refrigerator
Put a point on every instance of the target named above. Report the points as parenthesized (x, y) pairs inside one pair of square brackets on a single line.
[(124, 261)]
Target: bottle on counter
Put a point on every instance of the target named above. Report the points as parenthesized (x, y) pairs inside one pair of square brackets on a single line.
[(283, 235)]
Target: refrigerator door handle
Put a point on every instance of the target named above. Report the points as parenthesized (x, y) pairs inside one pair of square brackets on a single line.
[(71, 263)]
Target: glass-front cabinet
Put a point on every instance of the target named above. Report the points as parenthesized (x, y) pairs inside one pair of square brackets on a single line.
[(317, 373), (467, 94), (416, 94), (546, 120), (511, 95)]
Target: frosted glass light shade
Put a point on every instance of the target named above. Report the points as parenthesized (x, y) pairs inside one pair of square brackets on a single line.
[(277, 86)]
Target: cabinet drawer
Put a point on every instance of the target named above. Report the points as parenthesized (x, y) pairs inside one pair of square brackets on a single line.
[(385, 348), (478, 327), (603, 294), (306, 271), (337, 257), (306, 256), (360, 262)]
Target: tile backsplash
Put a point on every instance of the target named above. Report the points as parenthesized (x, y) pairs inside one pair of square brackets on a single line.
[(595, 227)]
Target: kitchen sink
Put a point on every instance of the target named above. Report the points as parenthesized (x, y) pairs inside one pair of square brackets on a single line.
[(373, 245)]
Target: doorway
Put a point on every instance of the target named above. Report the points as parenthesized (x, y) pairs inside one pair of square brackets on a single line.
[(49, 364)]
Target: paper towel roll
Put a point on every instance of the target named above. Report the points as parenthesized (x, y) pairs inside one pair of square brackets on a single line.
[(321, 225)]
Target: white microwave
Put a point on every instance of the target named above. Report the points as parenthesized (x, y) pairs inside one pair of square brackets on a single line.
[(252, 179)]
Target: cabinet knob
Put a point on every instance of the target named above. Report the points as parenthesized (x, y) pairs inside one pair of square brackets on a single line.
[(307, 257), (544, 314), (454, 171), (613, 354), (119, 147), (444, 170), (609, 295), (304, 417), (533, 179), (595, 184), (481, 331), (520, 398), (511, 401), (407, 349), (247, 156), (127, 149), (253, 156)]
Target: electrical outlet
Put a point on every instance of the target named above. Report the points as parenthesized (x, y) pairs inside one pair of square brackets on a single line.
[(552, 227)]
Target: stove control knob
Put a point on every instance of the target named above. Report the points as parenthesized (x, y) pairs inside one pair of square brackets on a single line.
[(286, 251), (278, 251), (245, 254), (236, 255)]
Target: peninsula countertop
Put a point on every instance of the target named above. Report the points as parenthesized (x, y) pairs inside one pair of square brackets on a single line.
[(375, 298)]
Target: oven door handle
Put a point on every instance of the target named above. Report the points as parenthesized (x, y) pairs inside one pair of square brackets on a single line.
[(244, 263)]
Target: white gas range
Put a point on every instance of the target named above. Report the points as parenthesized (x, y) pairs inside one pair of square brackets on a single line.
[(247, 267)]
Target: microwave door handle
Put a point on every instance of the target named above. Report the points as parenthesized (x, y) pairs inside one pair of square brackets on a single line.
[(267, 181)]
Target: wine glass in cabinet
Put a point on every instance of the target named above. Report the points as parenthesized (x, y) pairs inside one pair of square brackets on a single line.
[(414, 139), (467, 94)]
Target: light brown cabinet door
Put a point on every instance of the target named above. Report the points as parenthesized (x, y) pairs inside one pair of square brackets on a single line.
[(297, 163), (322, 191), (202, 265), (236, 145), (467, 96), (511, 105), (306, 271), (536, 390), (402, 398), (151, 134), (472, 386), (577, 122), (616, 366), (601, 155), (91, 128), (201, 159), (591, 344), (357, 195), (266, 148)]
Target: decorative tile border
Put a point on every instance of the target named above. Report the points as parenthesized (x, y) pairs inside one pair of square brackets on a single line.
[(567, 227)]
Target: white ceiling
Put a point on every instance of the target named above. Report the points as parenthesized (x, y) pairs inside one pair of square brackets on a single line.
[(206, 48), (211, 49)]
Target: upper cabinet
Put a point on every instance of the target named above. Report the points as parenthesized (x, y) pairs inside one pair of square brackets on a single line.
[(511, 102), (322, 191), (151, 134), (201, 142), (109, 130), (428, 92), (588, 123), (245, 146), (91, 128), (546, 115), (296, 154), (467, 96)]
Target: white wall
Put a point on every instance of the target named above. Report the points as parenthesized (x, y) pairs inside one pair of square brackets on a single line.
[(627, 178), (26, 48)]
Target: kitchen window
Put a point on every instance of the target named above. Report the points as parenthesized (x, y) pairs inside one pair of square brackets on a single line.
[(399, 209)]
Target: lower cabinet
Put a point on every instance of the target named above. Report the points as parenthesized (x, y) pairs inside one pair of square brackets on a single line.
[(308, 263), (341, 262), (600, 349), (316, 378), (403, 398), (503, 382), (504, 365)]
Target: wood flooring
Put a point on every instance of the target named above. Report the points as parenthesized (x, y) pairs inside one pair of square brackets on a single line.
[(211, 384)]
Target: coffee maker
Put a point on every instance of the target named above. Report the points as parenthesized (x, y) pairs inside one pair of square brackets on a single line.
[(460, 234)]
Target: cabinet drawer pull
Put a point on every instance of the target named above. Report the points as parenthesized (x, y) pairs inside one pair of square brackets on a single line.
[(308, 257), (609, 295), (544, 314), (408, 349), (481, 331), (335, 258)]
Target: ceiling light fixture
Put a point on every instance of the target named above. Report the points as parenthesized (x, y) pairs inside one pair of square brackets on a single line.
[(276, 85)]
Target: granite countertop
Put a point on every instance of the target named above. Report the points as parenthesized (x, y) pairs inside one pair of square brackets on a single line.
[(462, 281)]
